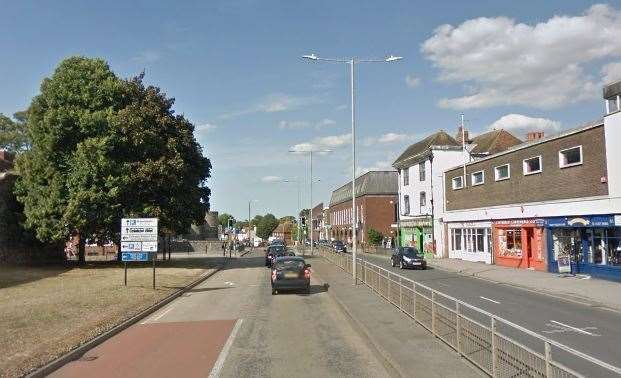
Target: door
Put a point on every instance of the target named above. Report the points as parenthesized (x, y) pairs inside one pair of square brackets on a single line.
[(530, 243)]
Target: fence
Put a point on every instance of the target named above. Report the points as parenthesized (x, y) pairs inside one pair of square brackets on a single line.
[(497, 346)]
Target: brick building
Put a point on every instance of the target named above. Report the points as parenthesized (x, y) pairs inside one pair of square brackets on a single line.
[(283, 232), (551, 204), (317, 222), (376, 193)]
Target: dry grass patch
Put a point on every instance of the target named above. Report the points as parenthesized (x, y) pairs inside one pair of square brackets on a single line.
[(47, 311)]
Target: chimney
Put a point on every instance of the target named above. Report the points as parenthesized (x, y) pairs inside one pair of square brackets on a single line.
[(534, 135), (465, 134)]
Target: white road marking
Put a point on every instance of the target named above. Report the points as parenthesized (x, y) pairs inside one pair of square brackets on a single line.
[(159, 316), (230, 283), (491, 300), (579, 330), (217, 367)]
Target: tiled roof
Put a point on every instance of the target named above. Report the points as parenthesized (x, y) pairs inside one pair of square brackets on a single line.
[(493, 142), (373, 182), (441, 138)]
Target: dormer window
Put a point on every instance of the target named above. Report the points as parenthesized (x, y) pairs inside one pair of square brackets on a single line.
[(612, 104)]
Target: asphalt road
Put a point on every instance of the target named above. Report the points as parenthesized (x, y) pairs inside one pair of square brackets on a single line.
[(591, 330), (232, 326)]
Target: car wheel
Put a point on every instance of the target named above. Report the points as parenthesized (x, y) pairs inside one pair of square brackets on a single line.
[(401, 266)]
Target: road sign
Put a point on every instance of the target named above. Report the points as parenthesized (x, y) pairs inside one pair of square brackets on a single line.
[(139, 238), (139, 222), (135, 256), (149, 246), (131, 246), (139, 229)]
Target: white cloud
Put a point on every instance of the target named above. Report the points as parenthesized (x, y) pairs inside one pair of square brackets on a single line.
[(325, 123), (270, 179), (388, 138), (611, 72), (519, 124), (327, 142), (383, 165), (204, 128), (507, 63), (342, 107), (296, 125), (273, 103), (412, 81)]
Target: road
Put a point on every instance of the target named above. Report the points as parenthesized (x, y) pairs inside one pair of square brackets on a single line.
[(231, 326), (591, 330)]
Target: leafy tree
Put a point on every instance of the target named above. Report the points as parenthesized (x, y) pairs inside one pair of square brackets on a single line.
[(14, 132), (223, 219), (287, 218), (266, 226), (304, 213), (104, 148), (256, 220), (375, 237), (240, 224)]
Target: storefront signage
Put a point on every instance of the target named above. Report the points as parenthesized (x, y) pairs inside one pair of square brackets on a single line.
[(416, 223), (519, 222), (582, 221), (564, 264), (617, 220)]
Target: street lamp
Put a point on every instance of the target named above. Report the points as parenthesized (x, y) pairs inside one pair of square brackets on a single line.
[(310, 209), (251, 241), (352, 62)]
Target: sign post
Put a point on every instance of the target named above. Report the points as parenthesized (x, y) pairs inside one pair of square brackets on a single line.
[(139, 241)]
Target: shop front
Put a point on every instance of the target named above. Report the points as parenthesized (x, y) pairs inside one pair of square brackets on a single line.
[(587, 244), (519, 243), (417, 233), (470, 241)]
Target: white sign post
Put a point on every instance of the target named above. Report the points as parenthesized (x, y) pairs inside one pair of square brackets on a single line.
[(139, 241)]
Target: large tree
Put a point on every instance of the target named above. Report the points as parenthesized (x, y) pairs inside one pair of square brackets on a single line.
[(223, 219), (14, 132), (104, 148), (266, 226)]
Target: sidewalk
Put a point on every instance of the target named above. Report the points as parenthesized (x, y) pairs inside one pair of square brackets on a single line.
[(404, 345), (591, 292)]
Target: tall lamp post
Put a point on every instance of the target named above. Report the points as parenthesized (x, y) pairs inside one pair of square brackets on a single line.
[(251, 241), (352, 62), (310, 210)]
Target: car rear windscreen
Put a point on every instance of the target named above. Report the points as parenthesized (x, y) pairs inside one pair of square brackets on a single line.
[(290, 265)]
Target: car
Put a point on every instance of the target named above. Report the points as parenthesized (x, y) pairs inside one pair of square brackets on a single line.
[(290, 273), (408, 257), (338, 246), (275, 251)]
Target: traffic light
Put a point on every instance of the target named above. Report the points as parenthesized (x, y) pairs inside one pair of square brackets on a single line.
[(303, 220), (230, 223)]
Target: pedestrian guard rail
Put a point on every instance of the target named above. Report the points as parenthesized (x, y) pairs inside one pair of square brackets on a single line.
[(497, 346)]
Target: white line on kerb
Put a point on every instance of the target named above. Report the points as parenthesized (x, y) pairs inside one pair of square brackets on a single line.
[(574, 328), (217, 367), (491, 300), (159, 316)]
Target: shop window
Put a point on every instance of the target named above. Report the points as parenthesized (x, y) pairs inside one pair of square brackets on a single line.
[(510, 242), (477, 178), (532, 165), (456, 239), (423, 199), (480, 239), (613, 253), (502, 172), (421, 171), (570, 157), (406, 176), (458, 182), (566, 242)]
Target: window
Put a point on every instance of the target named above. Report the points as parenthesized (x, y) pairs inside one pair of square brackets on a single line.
[(570, 157), (421, 171), (458, 182), (477, 178), (612, 105), (423, 199), (456, 239), (532, 165), (406, 176), (502, 172), (406, 205)]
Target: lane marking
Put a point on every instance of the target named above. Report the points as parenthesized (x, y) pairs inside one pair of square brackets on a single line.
[(217, 367), (579, 330), (491, 300), (158, 316)]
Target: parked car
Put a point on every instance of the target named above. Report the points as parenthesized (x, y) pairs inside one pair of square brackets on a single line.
[(290, 273), (339, 247), (408, 257)]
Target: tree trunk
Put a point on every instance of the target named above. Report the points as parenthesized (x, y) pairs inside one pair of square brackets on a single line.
[(81, 249)]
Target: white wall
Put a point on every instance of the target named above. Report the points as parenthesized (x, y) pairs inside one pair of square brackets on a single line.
[(612, 132)]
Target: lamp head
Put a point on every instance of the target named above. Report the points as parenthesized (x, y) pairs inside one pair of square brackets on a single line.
[(393, 58), (311, 57)]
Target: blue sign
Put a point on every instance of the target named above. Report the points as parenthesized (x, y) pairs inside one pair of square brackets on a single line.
[(582, 221), (135, 256)]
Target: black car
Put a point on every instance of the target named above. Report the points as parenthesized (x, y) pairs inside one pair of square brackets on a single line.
[(338, 246), (276, 251), (290, 273), (408, 257)]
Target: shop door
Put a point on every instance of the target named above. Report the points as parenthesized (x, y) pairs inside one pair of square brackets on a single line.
[(530, 242)]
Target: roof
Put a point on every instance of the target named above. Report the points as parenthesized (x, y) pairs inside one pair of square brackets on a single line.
[(586, 126), (612, 89), (283, 227), (493, 142), (372, 182), (441, 138)]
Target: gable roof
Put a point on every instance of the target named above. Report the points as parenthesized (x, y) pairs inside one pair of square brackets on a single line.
[(441, 138), (493, 142), (372, 182)]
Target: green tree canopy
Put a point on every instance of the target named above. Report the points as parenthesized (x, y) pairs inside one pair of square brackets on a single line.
[(287, 218), (14, 132), (375, 237), (266, 226), (223, 219), (104, 148)]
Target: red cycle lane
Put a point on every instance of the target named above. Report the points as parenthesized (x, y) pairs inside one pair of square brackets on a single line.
[(167, 349)]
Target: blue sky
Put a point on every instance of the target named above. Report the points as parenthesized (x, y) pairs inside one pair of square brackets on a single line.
[(234, 68)]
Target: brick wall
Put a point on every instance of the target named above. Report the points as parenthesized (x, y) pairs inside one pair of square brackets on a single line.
[(378, 213), (553, 183)]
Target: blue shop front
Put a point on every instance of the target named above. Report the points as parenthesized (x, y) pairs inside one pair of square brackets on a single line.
[(586, 244)]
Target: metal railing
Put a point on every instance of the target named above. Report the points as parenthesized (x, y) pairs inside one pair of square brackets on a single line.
[(497, 346)]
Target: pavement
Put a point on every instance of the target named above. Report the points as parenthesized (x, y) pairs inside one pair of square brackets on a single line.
[(571, 320)]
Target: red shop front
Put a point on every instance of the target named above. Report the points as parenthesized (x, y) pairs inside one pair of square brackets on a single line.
[(519, 243)]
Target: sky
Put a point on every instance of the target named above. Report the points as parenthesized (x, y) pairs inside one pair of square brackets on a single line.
[(235, 70)]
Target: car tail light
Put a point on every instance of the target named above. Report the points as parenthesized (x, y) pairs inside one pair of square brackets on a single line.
[(273, 275), (307, 273)]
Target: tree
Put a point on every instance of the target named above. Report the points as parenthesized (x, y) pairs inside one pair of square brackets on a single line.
[(304, 213), (256, 220), (223, 219), (287, 218), (375, 237), (240, 224), (14, 132), (104, 148), (266, 226)]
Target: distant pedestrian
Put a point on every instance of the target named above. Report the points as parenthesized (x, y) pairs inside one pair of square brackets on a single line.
[(224, 248)]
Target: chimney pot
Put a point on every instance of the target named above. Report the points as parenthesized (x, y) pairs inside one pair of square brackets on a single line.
[(534, 135), (465, 134)]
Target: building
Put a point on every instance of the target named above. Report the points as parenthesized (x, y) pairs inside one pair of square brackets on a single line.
[(376, 193), (317, 221), (551, 204), (283, 232), (421, 168)]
